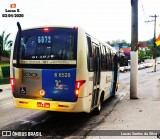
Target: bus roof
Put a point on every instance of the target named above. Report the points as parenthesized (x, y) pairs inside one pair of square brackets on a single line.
[(47, 26)]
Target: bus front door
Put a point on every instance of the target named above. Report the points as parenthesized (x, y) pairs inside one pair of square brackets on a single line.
[(96, 77)]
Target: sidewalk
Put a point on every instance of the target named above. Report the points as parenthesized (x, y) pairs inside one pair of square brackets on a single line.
[(5, 86), (6, 93), (139, 114)]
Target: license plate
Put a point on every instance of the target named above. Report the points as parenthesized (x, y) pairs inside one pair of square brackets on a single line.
[(43, 104)]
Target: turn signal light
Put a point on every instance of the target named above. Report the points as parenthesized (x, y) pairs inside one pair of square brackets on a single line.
[(12, 82), (78, 85)]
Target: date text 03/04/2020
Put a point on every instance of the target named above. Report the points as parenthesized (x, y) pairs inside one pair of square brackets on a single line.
[(12, 15)]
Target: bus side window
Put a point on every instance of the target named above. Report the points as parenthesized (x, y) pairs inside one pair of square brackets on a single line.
[(106, 59), (110, 60), (90, 58), (89, 46), (102, 58), (101, 51), (112, 55)]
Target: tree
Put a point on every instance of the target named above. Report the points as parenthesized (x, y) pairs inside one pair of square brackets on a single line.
[(119, 42), (149, 53), (141, 55), (5, 43)]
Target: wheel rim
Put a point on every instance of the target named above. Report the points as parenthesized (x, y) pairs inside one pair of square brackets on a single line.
[(99, 107)]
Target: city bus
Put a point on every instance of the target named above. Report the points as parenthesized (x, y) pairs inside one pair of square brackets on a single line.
[(62, 69)]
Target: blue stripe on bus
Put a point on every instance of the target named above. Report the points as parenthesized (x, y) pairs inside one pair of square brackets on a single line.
[(59, 84)]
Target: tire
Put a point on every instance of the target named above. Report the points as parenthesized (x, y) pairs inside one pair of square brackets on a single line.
[(98, 109)]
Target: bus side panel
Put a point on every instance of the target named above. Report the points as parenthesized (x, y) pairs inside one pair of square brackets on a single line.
[(82, 70), (84, 97), (105, 83), (82, 106)]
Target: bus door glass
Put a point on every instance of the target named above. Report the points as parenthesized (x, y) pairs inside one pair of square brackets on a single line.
[(96, 76)]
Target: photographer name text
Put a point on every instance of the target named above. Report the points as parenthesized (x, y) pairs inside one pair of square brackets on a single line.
[(17, 10), (12, 12)]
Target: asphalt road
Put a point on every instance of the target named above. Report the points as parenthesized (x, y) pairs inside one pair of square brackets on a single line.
[(59, 124), (9, 113), (51, 123)]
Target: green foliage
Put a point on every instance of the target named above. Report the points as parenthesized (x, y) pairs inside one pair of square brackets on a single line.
[(117, 42), (141, 55), (5, 71), (5, 45), (2, 64), (6, 53), (147, 54)]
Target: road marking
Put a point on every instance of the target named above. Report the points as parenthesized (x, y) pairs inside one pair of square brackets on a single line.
[(123, 94)]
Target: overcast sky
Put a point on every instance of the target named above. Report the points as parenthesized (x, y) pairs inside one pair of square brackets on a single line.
[(107, 20)]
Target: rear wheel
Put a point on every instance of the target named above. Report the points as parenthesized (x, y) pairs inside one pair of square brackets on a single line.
[(98, 109)]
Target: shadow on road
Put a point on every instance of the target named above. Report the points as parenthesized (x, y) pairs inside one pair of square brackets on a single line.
[(63, 124)]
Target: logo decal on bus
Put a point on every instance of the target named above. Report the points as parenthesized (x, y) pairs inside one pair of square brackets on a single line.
[(23, 90), (42, 92), (31, 75), (60, 86)]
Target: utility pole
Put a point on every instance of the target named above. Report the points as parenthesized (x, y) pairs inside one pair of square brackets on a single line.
[(134, 52), (154, 39)]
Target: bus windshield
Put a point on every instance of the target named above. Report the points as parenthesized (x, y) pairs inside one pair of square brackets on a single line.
[(48, 44)]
